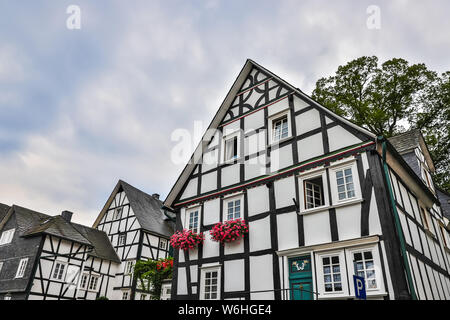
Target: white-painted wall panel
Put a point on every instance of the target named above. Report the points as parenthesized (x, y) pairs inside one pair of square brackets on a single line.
[(230, 175), (307, 121), (259, 232), (284, 192), (310, 147), (338, 138), (258, 200), (287, 231), (261, 277), (317, 228), (234, 275)]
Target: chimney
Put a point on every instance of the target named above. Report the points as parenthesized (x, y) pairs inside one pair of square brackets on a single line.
[(155, 195), (67, 215)]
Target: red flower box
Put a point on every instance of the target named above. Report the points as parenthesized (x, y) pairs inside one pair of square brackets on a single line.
[(229, 231), (186, 239)]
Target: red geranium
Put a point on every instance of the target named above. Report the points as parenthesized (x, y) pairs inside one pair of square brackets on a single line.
[(229, 231), (164, 264), (186, 239)]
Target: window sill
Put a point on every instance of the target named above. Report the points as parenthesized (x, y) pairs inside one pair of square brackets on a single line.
[(231, 161), (277, 143), (337, 205)]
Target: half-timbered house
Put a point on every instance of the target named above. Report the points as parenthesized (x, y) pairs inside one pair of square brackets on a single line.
[(139, 229), (324, 200), (46, 257)]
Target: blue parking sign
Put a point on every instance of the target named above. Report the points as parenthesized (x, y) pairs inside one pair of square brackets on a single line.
[(360, 287)]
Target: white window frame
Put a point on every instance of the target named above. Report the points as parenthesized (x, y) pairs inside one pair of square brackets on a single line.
[(163, 244), (285, 113), (81, 281), (122, 235), (203, 281), (356, 183), (21, 268), (309, 176), (127, 270), (7, 236), (321, 276), (426, 216), (235, 134), (116, 215), (166, 291), (91, 277), (125, 295), (380, 289), (233, 199), (63, 276), (188, 218)]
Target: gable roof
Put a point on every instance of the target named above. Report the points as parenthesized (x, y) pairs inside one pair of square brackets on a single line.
[(147, 209), (407, 141), (221, 112), (32, 223)]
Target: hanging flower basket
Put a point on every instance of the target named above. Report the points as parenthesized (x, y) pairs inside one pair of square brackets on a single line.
[(229, 231), (186, 239)]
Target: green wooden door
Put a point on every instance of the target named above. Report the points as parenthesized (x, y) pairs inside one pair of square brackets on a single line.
[(300, 278)]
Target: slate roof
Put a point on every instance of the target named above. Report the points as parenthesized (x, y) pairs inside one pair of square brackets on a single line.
[(99, 239), (148, 210), (406, 141), (444, 199), (32, 223), (3, 210)]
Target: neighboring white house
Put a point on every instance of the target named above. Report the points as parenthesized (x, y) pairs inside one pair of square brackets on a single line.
[(312, 187)]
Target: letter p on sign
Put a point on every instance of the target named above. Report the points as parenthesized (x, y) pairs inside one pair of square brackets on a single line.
[(360, 287)]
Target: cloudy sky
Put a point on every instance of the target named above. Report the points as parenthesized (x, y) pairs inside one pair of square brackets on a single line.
[(80, 109)]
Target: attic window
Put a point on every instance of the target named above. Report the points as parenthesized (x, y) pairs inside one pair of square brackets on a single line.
[(280, 128), (118, 213), (231, 149)]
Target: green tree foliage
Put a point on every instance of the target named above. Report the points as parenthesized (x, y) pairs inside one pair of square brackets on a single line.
[(388, 98), (150, 275)]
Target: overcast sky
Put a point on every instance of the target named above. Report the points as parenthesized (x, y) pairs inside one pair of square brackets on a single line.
[(80, 109)]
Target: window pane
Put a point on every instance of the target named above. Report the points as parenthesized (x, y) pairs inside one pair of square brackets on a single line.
[(368, 255), (328, 287), (358, 256), (326, 260), (326, 270), (335, 259)]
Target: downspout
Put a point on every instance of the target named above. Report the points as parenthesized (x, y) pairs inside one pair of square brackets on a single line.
[(397, 220)]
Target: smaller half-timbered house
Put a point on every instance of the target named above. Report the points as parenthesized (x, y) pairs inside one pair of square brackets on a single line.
[(139, 229)]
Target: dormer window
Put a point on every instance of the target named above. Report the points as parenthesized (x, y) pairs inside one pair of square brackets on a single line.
[(7, 236)]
